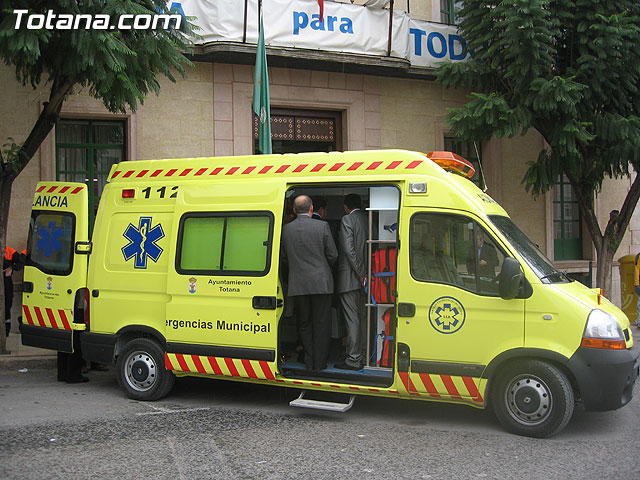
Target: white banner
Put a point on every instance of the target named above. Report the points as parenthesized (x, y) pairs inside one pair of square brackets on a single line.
[(345, 28)]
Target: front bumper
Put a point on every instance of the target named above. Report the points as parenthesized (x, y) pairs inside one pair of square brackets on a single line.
[(605, 377)]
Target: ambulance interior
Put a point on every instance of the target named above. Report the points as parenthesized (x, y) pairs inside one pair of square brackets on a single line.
[(381, 205)]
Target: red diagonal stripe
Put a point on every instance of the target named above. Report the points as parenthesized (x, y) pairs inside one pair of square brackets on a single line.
[(167, 362), (27, 314), (451, 388), (355, 166), (39, 315), (336, 166), (216, 171), (428, 384), (393, 165), (413, 164), (214, 364), (266, 370), (200, 172), (116, 173), (473, 389), (183, 364), (129, 173), (318, 167), (142, 173), (64, 189), (65, 322), (232, 170), (156, 173), (52, 318), (171, 172), (248, 170), (266, 169), (282, 169), (185, 172), (43, 187), (232, 368), (374, 165), (52, 189), (198, 364), (408, 384), (300, 168), (76, 190), (247, 366)]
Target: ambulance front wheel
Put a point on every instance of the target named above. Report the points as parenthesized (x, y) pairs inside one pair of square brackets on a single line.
[(141, 371), (532, 398)]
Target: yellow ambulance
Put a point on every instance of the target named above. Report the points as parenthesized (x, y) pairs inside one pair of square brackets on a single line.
[(182, 276)]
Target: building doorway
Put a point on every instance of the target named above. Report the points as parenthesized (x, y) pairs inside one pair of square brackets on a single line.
[(297, 131)]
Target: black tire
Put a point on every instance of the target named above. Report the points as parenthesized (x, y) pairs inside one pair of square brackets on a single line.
[(532, 398), (141, 371)]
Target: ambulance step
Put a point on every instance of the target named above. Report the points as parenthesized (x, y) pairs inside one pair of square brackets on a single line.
[(321, 404)]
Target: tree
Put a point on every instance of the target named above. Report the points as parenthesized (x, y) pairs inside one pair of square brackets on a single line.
[(569, 69), (118, 66)]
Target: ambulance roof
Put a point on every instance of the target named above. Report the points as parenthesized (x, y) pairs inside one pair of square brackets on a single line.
[(303, 167)]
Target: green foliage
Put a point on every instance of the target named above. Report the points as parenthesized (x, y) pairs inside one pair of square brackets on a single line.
[(569, 69), (120, 67), (12, 156)]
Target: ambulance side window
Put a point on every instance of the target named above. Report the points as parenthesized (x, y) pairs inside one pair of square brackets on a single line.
[(235, 243), (51, 238), (454, 250)]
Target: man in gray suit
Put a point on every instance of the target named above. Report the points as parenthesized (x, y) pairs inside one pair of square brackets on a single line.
[(309, 252), (352, 270)]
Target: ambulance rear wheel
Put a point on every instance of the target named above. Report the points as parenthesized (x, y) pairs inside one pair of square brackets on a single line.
[(141, 371), (532, 398)]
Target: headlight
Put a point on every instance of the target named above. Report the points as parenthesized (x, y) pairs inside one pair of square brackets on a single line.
[(602, 331)]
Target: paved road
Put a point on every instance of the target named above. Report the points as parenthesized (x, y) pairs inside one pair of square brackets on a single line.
[(225, 430)]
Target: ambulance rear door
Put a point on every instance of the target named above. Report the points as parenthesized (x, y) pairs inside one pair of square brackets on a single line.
[(56, 267)]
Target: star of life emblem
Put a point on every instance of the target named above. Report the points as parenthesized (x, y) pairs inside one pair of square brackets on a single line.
[(142, 242), (447, 315)]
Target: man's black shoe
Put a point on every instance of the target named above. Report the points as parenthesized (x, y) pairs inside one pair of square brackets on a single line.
[(346, 366), (80, 379)]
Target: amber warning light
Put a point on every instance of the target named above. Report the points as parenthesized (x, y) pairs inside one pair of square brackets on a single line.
[(129, 193), (453, 162)]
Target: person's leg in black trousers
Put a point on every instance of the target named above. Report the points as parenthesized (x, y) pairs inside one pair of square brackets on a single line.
[(305, 327), (321, 318)]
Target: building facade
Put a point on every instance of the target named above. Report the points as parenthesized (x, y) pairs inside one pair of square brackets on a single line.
[(332, 97)]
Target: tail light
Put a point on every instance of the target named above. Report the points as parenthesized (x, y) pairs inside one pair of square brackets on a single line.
[(81, 307)]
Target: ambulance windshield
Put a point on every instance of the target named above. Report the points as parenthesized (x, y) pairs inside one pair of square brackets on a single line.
[(538, 262)]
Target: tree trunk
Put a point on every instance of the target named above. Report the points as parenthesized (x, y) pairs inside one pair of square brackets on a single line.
[(604, 273), (5, 200), (606, 243)]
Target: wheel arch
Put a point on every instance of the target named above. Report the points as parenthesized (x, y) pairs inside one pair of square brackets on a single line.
[(131, 332), (549, 356)]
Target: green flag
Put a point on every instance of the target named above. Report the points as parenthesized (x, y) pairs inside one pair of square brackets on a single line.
[(261, 95)]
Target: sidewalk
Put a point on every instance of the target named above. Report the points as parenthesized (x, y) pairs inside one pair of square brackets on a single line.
[(21, 356), (25, 357)]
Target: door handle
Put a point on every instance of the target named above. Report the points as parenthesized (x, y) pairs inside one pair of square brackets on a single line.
[(406, 309), (27, 287), (264, 303)]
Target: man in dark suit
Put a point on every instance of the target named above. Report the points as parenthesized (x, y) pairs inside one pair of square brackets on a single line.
[(487, 259), (352, 270), (309, 252)]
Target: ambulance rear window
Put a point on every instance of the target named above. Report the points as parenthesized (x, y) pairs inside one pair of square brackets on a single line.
[(51, 237), (225, 244)]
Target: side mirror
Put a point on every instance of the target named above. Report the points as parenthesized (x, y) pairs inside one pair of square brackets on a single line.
[(510, 278)]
